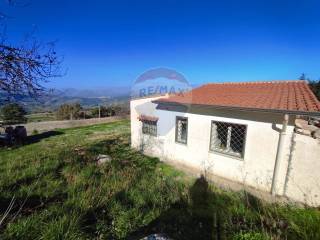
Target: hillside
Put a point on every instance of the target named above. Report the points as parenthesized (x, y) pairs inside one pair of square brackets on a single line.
[(53, 188), (87, 98)]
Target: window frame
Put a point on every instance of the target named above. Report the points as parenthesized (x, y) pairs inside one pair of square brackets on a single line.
[(149, 133), (223, 153), (176, 130)]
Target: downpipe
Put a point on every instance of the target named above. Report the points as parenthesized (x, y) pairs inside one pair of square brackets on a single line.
[(279, 154)]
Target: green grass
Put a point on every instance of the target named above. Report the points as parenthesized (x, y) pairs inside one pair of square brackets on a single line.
[(59, 192), (40, 117)]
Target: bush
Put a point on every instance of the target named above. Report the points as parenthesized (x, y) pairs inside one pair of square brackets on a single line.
[(68, 111), (35, 132), (13, 113), (104, 111), (251, 236)]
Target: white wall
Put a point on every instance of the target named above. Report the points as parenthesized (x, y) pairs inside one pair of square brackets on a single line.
[(139, 140), (303, 182), (255, 169)]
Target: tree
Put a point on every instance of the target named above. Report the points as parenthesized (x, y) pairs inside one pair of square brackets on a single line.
[(303, 76), (313, 84), (315, 87), (69, 111), (13, 113), (104, 111), (95, 112), (109, 111), (25, 68), (120, 109)]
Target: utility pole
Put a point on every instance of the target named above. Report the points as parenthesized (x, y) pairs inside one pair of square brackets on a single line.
[(99, 112)]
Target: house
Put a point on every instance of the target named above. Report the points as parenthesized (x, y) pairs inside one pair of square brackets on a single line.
[(244, 132)]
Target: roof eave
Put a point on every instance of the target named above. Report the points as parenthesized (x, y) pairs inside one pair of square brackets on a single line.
[(290, 112)]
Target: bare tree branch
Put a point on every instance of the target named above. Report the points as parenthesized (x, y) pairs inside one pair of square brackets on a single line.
[(25, 67), (23, 70)]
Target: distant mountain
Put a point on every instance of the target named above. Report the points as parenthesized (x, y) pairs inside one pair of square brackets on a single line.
[(110, 92), (86, 97)]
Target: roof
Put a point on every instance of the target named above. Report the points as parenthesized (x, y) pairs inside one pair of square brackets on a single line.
[(147, 118), (279, 96)]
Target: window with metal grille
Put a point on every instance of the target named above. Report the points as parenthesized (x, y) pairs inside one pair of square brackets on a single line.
[(181, 130), (228, 138), (149, 127)]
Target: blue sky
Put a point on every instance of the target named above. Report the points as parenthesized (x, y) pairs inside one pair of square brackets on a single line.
[(110, 43)]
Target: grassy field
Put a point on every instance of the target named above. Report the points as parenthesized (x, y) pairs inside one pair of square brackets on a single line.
[(40, 117), (52, 188)]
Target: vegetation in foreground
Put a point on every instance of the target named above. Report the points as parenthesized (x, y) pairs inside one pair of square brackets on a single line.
[(56, 190)]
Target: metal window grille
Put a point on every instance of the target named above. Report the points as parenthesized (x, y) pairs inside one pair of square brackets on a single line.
[(228, 138), (181, 130), (149, 128)]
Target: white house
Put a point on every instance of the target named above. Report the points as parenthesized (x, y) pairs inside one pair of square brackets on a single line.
[(240, 131)]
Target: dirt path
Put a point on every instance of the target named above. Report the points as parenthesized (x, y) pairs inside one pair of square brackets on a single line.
[(51, 125)]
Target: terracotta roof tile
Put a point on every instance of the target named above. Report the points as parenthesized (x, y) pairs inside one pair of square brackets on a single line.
[(147, 118), (294, 96)]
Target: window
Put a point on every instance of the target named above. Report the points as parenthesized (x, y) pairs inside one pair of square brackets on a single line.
[(181, 130), (228, 138), (149, 127)]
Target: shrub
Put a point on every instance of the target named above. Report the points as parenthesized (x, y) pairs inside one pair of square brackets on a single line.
[(13, 113), (35, 132), (68, 111), (251, 236)]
